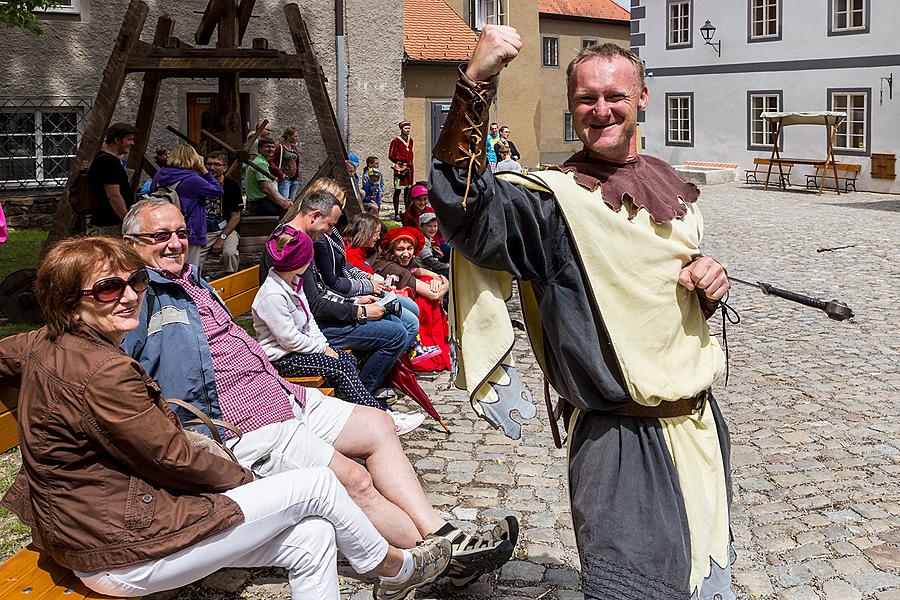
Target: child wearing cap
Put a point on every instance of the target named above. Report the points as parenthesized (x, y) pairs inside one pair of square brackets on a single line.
[(418, 203), (431, 257), (399, 247), (286, 328), (372, 190)]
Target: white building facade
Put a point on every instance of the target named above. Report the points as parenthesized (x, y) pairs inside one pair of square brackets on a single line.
[(776, 55)]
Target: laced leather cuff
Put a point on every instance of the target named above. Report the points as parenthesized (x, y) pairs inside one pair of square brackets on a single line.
[(462, 140)]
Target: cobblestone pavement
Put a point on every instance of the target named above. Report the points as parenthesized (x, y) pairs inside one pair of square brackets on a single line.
[(812, 406)]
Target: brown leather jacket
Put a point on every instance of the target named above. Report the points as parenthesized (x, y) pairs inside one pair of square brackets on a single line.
[(108, 478)]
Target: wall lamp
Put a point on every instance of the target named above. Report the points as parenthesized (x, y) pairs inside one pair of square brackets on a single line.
[(708, 31)]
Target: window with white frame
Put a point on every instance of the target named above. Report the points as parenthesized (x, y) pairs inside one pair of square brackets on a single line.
[(848, 16), (63, 6), (37, 144), (679, 119), (569, 129), (488, 12), (765, 19), (851, 134), (550, 54), (678, 23), (761, 129)]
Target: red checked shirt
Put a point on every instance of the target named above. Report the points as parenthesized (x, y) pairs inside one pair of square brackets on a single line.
[(251, 393)]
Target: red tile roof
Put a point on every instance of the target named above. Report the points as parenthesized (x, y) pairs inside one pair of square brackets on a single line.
[(433, 31), (592, 9)]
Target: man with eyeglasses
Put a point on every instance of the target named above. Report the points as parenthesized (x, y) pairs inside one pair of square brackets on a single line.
[(190, 345), (223, 213)]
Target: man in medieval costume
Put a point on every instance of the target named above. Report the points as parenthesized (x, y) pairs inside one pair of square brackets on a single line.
[(401, 154), (615, 294)]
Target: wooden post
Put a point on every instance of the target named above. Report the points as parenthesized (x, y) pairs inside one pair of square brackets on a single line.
[(230, 84), (318, 95), (100, 115), (211, 17), (147, 108), (244, 14)]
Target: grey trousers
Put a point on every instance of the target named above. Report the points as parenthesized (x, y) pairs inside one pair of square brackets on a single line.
[(631, 526)]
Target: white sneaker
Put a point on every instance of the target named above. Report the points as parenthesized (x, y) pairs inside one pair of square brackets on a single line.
[(404, 423)]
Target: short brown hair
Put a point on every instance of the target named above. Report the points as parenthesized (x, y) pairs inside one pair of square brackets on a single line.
[(117, 131), (607, 51), (64, 271), (322, 184)]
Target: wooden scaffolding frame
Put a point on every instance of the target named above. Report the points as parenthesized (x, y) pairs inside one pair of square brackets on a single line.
[(169, 57)]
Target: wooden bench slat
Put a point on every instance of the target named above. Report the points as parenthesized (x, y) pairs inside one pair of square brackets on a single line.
[(313, 381), (237, 283), (9, 431), (241, 303), (23, 570)]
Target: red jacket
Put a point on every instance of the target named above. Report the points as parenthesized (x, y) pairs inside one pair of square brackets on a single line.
[(402, 152)]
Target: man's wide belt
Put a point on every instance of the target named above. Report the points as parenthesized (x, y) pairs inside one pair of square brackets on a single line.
[(678, 408)]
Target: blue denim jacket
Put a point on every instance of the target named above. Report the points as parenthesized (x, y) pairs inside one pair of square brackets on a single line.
[(172, 347)]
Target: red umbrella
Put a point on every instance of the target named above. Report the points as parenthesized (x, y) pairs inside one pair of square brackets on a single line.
[(404, 379)]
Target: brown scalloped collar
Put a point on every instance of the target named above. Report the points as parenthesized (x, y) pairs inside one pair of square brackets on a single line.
[(647, 182)]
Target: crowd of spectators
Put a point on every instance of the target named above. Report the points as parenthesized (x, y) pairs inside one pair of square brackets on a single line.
[(359, 301)]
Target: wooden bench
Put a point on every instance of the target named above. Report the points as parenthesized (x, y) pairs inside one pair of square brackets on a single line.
[(30, 574), (761, 167), (846, 173)]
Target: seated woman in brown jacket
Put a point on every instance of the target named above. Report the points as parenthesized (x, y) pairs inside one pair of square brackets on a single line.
[(111, 485)]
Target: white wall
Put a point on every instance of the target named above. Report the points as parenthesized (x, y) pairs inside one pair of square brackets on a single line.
[(720, 99)]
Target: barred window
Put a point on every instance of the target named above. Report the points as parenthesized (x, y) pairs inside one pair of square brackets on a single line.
[(550, 51), (38, 142), (569, 129)]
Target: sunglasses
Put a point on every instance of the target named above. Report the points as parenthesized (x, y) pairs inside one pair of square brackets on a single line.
[(111, 289), (160, 237)]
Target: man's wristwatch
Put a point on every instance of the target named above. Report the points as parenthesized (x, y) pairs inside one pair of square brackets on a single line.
[(364, 318), (223, 236)]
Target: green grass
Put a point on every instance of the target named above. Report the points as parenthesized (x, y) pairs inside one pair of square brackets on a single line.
[(13, 535), (21, 251)]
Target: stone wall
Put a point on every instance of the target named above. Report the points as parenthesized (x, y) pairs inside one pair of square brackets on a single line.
[(29, 212), (68, 62)]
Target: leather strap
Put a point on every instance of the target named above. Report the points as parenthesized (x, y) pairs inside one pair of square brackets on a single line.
[(678, 408), (211, 425)]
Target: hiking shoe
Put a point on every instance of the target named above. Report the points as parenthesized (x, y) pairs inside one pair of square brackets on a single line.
[(430, 559), (404, 423), (385, 393), (483, 552)]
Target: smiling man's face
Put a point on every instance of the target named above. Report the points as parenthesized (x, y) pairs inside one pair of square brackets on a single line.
[(604, 99)]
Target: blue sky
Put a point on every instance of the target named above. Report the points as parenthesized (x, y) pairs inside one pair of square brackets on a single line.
[(625, 3)]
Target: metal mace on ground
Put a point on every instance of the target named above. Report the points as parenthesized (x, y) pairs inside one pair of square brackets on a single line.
[(835, 309)]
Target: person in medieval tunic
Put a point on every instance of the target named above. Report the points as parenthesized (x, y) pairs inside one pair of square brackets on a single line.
[(616, 295), (401, 154)]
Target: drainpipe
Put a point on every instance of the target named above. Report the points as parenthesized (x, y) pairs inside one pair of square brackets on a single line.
[(341, 52)]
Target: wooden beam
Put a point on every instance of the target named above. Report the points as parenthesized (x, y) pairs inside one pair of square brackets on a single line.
[(183, 137), (314, 77), (209, 20), (229, 112), (165, 25), (100, 115), (234, 168), (282, 66), (244, 13)]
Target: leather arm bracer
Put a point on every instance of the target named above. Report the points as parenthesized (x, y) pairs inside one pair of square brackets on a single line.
[(462, 140)]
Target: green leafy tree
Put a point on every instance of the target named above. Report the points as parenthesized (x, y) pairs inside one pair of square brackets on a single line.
[(19, 13)]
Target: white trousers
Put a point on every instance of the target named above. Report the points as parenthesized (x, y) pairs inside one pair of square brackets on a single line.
[(295, 520)]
